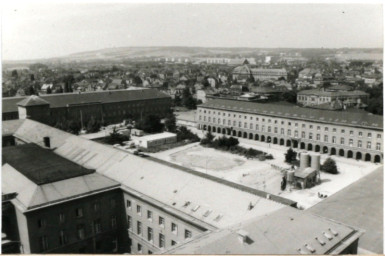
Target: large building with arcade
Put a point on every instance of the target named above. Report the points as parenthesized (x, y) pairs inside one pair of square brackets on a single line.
[(349, 134)]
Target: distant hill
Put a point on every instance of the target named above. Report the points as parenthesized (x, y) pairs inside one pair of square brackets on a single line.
[(120, 53)]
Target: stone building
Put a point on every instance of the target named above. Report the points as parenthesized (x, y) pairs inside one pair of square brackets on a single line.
[(353, 135)]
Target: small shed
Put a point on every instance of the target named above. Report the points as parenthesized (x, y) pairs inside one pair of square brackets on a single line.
[(306, 177)]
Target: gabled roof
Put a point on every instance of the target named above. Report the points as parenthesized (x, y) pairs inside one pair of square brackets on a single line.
[(33, 100)]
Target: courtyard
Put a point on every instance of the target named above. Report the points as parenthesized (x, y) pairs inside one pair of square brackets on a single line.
[(260, 174)]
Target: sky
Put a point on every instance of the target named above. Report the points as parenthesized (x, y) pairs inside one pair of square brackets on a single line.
[(32, 31)]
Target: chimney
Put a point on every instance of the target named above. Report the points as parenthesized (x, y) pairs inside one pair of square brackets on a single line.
[(243, 236), (47, 142)]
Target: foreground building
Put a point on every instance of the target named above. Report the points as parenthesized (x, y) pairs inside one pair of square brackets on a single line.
[(106, 106), (166, 205), (59, 206), (352, 135)]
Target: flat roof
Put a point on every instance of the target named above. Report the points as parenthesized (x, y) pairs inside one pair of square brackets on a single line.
[(332, 93), (281, 232), (363, 119), (63, 99), (360, 205), (40, 165), (157, 136)]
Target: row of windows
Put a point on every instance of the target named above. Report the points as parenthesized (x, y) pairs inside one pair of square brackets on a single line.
[(250, 126), (80, 231), (150, 232), (41, 223)]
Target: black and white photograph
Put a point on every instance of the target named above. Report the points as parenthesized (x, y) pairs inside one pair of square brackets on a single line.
[(192, 128)]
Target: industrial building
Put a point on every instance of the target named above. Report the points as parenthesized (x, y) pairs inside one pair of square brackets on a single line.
[(166, 206), (352, 135), (155, 140)]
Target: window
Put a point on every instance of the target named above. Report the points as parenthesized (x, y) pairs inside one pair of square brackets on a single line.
[(303, 125), (343, 131), (43, 241), (378, 136), (234, 123), (174, 228), (219, 121), (282, 131), (351, 142), (251, 126), (269, 129), (310, 136), (161, 240), (369, 145), (289, 132), (129, 222), (113, 202), (229, 122), (161, 221), (334, 140), (359, 144), (139, 228), (62, 238), (318, 128), (296, 134), (113, 221), (128, 202), (139, 209), (213, 119), (342, 141), (187, 233), (378, 146), (97, 226), (296, 124), (311, 126), (325, 138), (318, 136), (282, 122), (41, 223), (326, 129), (79, 212), (369, 135), (303, 135), (263, 128), (245, 125), (62, 217), (275, 129), (173, 243), (139, 248), (150, 234), (209, 119), (96, 206), (240, 124), (224, 121), (289, 123), (256, 127), (360, 134), (149, 215), (351, 133), (80, 231), (334, 130)]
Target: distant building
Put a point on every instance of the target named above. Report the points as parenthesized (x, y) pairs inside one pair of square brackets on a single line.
[(245, 72), (343, 94), (155, 140)]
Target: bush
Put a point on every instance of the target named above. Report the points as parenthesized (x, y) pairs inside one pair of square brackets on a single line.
[(329, 166), (185, 134), (290, 156)]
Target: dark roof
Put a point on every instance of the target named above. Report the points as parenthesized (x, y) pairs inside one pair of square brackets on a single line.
[(32, 100), (40, 165), (62, 100), (363, 119), (333, 93)]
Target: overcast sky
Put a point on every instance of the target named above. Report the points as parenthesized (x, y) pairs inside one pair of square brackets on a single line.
[(32, 31)]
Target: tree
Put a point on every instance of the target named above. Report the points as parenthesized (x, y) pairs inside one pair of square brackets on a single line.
[(93, 125), (170, 122), (150, 124), (49, 90), (329, 166), (74, 127), (208, 139), (177, 100), (116, 138), (290, 96), (290, 155), (15, 74), (31, 90), (283, 183), (187, 100)]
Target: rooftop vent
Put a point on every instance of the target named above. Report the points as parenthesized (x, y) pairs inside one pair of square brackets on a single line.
[(335, 233), (187, 204), (320, 241), (310, 248), (243, 236), (195, 208), (327, 235), (218, 218), (301, 251), (207, 213)]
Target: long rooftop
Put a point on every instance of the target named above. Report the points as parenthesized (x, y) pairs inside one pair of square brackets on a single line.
[(63, 99), (363, 119)]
